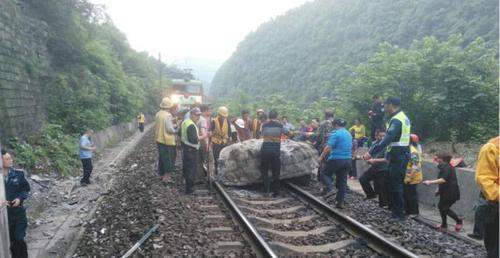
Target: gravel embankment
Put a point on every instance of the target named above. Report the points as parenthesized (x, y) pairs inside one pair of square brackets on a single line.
[(138, 201)]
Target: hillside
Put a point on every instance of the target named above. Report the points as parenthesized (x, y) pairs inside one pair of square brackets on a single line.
[(309, 51)]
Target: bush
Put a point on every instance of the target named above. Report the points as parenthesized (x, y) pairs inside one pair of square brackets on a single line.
[(50, 150)]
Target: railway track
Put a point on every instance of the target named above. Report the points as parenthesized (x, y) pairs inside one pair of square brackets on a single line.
[(300, 224)]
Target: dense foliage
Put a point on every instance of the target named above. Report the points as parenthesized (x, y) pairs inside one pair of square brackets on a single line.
[(95, 78), (450, 92), (314, 51), (51, 150)]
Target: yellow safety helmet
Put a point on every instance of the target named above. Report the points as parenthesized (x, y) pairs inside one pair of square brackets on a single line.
[(166, 103), (223, 111)]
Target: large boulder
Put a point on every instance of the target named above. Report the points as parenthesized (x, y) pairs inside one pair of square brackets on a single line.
[(239, 164)]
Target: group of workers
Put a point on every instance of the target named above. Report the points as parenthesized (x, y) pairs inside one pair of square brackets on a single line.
[(394, 157), (198, 133)]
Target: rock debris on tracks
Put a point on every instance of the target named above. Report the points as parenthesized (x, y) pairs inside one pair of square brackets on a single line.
[(137, 201), (412, 235)]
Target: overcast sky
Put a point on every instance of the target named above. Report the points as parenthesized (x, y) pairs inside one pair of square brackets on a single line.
[(204, 29)]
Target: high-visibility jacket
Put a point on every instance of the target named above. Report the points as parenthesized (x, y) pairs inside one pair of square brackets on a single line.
[(220, 134), (184, 138), (359, 131), (404, 139), (487, 170), (161, 135), (414, 168), (141, 118)]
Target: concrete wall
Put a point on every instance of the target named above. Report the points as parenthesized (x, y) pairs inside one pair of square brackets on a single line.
[(469, 191), (116, 133), (23, 60)]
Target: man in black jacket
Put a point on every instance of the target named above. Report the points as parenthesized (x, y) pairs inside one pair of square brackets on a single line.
[(376, 174), (270, 152), (376, 115), (16, 190)]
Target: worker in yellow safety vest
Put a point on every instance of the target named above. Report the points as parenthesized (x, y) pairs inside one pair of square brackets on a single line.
[(221, 132), (141, 119), (488, 178), (165, 131), (190, 148), (397, 141), (413, 177), (257, 124)]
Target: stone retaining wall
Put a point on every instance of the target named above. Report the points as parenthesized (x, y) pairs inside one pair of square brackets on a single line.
[(23, 62), (469, 191), (116, 133)]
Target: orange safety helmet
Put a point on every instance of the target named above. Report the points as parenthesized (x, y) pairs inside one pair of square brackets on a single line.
[(414, 138)]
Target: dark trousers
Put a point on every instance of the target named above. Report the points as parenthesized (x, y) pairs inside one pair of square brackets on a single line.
[(373, 129), (383, 197), (353, 171), (141, 127), (17, 231), (397, 170), (479, 217), (189, 166), (166, 158), (270, 160), (18, 249), (216, 149), (410, 199), (340, 168), (87, 170), (445, 210), (491, 229), (371, 175), (362, 141)]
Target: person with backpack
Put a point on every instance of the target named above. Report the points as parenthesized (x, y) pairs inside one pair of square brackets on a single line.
[(448, 191)]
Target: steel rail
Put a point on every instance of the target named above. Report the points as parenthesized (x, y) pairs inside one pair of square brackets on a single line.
[(140, 242), (258, 240), (378, 241)]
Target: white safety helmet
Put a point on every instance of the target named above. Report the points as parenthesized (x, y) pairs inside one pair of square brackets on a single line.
[(240, 123)]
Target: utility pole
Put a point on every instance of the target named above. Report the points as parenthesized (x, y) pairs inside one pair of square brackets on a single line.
[(159, 67)]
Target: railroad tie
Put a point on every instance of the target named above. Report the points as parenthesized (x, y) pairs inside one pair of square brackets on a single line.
[(298, 233), (216, 230), (229, 245), (213, 218), (204, 198), (201, 192), (265, 202), (282, 221), (209, 207), (274, 211), (312, 248)]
